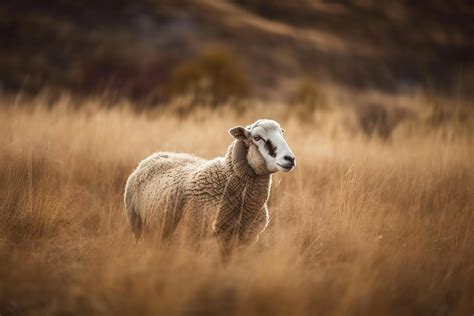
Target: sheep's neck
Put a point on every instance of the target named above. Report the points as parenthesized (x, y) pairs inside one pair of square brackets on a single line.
[(250, 175), (252, 187), (246, 161), (245, 195), (243, 208)]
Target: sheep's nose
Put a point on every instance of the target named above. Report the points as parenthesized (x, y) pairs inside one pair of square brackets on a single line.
[(290, 159)]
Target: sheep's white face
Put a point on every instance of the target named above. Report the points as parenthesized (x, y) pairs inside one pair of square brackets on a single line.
[(267, 137)]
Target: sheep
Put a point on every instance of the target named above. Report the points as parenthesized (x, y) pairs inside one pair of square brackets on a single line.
[(232, 190)]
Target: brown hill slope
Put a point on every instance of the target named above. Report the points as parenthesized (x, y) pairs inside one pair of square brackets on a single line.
[(133, 47)]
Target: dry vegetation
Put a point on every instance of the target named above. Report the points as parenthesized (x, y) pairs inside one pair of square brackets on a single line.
[(362, 226)]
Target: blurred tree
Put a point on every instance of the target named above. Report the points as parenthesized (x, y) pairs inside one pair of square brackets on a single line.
[(307, 100), (213, 77)]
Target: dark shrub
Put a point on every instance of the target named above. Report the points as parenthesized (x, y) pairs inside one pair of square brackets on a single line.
[(213, 77), (307, 99), (376, 119)]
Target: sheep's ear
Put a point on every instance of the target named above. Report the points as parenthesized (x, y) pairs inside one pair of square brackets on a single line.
[(239, 132)]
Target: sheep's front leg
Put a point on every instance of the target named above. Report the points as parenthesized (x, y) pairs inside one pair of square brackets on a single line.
[(262, 223), (232, 227), (225, 228), (227, 222), (254, 225)]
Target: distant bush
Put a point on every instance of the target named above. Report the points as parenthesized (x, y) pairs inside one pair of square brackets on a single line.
[(442, 112), (376, 120), (308, 99), (373, 118), (214, 77)]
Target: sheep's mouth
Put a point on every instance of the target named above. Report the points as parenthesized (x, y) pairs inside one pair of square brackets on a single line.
[(286, 168)]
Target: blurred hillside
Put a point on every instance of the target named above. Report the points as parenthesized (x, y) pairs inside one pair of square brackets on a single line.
[(155, 49)]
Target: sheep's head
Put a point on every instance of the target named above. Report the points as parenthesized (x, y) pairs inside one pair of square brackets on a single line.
[(267, 148)]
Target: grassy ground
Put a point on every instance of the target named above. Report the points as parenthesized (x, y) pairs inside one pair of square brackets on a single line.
[(362, 226)]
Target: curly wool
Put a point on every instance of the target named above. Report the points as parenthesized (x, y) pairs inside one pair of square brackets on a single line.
[(232, 191)]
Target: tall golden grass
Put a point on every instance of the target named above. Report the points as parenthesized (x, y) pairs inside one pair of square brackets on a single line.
[(362, 226)]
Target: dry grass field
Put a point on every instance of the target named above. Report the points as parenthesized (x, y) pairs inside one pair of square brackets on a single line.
[(362, 226)]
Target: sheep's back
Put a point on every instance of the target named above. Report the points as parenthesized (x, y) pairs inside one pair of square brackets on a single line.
[(159, 181), (207, 183)]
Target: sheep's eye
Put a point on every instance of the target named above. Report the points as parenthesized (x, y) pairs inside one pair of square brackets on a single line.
[(257, 138)]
